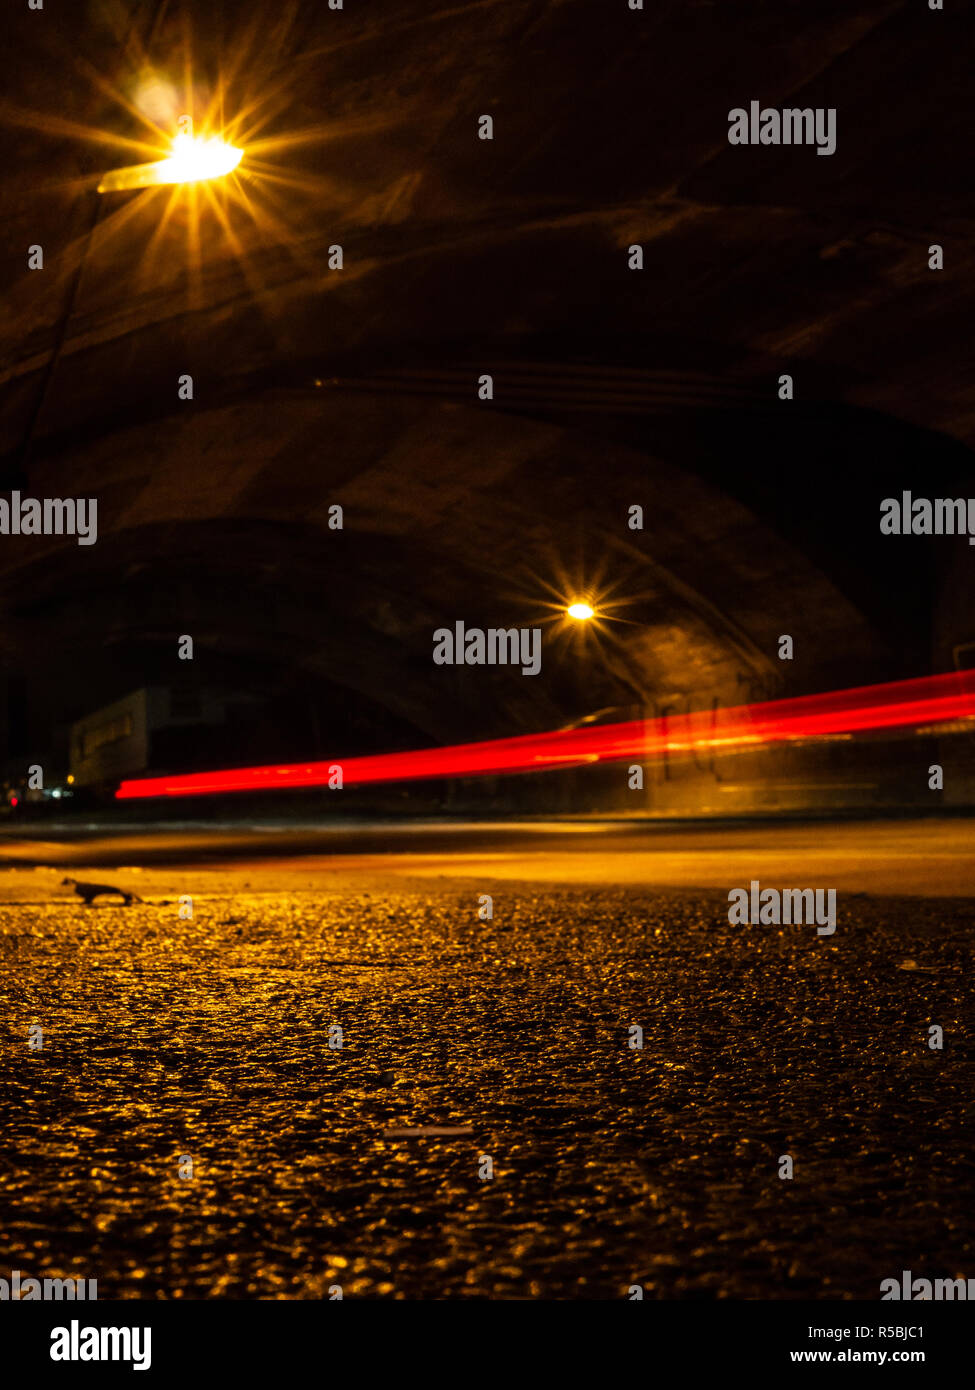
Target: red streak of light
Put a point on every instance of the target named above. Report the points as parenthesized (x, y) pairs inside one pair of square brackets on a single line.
[(901, 705)]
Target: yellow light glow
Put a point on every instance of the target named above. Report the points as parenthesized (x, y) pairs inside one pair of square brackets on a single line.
[(580, 611), (193, 160)]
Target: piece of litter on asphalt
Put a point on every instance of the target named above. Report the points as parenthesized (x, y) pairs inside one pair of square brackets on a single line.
[(427, 1129)]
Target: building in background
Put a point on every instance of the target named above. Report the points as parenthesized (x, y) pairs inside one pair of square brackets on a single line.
[(152, 728)]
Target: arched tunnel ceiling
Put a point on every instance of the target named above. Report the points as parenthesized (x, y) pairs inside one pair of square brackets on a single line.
[(613, 387)]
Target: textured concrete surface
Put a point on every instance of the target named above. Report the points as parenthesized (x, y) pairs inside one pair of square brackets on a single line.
[(612, 1166)]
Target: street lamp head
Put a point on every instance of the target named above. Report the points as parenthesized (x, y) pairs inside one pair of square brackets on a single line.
[(194, 159), (580, 611)]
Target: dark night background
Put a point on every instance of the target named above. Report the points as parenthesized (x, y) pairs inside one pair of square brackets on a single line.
[(612, 387)]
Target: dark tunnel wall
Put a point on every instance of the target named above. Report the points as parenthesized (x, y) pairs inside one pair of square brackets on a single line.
[(219, 527)]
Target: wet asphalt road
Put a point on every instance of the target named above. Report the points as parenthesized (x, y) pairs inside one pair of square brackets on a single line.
[(208, 1038)]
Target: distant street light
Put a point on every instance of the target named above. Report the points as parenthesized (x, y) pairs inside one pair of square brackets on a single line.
[(194, 159), (580, 611)]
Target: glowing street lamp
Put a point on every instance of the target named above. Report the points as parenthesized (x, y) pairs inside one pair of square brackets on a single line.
[(194, 159), (580, 611)]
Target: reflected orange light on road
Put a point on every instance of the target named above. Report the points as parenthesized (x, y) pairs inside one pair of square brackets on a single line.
[(901, 705)]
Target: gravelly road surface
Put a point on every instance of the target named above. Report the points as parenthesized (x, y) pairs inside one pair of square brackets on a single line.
[(612, 1166)]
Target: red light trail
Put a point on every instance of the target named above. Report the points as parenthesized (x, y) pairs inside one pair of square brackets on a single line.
[(900, 705)]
